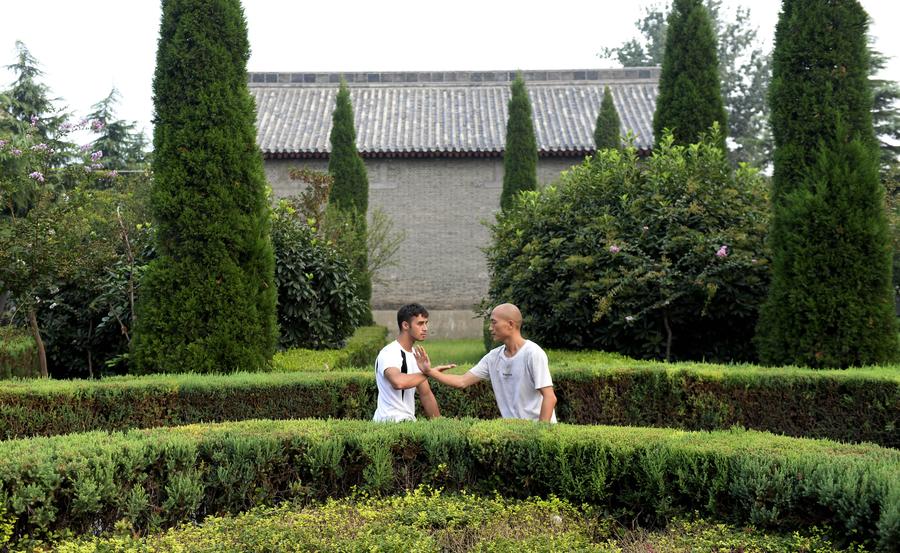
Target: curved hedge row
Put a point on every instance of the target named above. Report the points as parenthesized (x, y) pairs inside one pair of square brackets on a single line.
[(851, 406), (71, 485)]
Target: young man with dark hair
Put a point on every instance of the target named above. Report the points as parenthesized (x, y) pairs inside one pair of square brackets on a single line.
[(518, 370), (397, 372)]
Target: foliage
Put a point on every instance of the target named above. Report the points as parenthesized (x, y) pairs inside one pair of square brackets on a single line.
[(658, 258), (434, 521), (359, 352), (160, 477), (690, 99), (831, 302), (520, 153), (18, 354), (885, 112), (119, 141), (592, 387), (209, 299), (607, 133), (348, 197), (744, 73), (319, 304)]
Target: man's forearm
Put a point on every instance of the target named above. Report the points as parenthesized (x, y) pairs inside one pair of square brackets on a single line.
[(407, 381), (430, 406), (548, 403), (452, 380)]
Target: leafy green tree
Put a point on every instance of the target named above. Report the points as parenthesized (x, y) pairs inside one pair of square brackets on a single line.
[(690, 99), (520, 155), (607, 133), (660, 257), (119, 141), (885, 112), (744, 73), (208, 301), (349, 191), (831, 302)]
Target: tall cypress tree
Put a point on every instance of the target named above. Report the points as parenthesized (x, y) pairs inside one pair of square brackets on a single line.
[(607, 133), (690, 95), (350, 189), (830, 303), (351, 183), (207, 303), (520, 157)]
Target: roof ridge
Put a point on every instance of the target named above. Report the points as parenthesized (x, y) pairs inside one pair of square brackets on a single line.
[(413, 78)]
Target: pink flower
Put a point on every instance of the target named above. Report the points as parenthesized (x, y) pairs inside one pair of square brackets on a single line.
[(723, 252), (85, 147), (34, 121), (112, 174), (96, 155), (39, 147), (37, 175), (16, 152), (614, 249), (97, 124)]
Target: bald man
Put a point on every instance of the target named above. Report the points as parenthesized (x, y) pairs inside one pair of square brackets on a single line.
[(518, 370)]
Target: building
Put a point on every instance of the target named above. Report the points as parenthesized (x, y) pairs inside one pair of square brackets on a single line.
[(433, 145)]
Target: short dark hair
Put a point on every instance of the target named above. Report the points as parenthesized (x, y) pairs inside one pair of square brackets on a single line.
[(409, 312)]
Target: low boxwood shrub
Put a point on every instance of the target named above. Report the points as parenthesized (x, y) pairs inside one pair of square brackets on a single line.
[(431, 521), (850, 406), (18, 353), (70, 485)]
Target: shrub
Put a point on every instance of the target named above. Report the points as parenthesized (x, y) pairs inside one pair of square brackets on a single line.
[(659, 258), (862, 406), (360, 352), (18, 353), (319, 304), (520, 153), (158, 478), (209, 300)]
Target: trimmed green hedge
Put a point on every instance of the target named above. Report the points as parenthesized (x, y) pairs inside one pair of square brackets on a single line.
[(360, 351), (72, 485), (850, 406), (426, 520)]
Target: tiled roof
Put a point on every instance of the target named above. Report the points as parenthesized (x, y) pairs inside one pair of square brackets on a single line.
[(447, 114)]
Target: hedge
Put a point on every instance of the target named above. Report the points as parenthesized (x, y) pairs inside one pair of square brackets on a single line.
[(18, 354), (360, 351), (850, 406), (71, 485), (426, 520)]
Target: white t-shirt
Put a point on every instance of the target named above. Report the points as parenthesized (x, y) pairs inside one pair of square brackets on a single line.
[(394, 405), (517, 379)]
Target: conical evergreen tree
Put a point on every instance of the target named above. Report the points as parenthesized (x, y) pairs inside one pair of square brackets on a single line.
[(207, 304), (351, 183), (520, 156), (690, 95), (830, 303), (350, 189), (607, 133)]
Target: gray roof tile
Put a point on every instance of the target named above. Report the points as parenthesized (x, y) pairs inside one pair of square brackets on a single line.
[(445, 113)]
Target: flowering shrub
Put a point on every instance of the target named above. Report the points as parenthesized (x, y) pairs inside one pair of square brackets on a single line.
[(655, 258)]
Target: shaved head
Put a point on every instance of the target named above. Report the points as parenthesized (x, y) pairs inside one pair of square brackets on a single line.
[(508, 312)]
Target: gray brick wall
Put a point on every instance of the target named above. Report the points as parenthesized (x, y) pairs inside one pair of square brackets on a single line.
[(442, 203)]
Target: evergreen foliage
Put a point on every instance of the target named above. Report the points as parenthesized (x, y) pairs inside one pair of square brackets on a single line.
[(831, 302), (121, 143), (208, 301), (520, 156), (690, 97), (607, 134), (351, 183), (349, 193)]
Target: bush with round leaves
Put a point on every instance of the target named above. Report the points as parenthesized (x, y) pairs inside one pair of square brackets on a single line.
[(660, 257), (319, 305)]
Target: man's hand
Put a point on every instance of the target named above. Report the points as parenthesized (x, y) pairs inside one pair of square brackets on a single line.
[(424, 362)]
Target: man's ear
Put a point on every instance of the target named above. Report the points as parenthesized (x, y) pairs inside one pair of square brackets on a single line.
[(404, 325)]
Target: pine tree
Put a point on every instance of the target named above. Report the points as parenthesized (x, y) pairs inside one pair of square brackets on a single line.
[(350, 189), (351, 183), (119, 140), (830, 303), (520, 157), (207, 304), (690, 97), (607, 133)]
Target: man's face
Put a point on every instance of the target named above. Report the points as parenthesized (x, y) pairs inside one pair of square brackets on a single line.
[(418, 328), (500, 328)]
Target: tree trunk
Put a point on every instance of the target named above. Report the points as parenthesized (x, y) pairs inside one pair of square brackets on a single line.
[(36, 332), (4, 297), (668, 336)]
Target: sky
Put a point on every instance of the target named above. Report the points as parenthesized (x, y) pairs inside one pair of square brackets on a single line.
[(87, 47)]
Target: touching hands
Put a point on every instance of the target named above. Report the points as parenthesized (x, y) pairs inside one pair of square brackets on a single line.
[(424, 362)]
